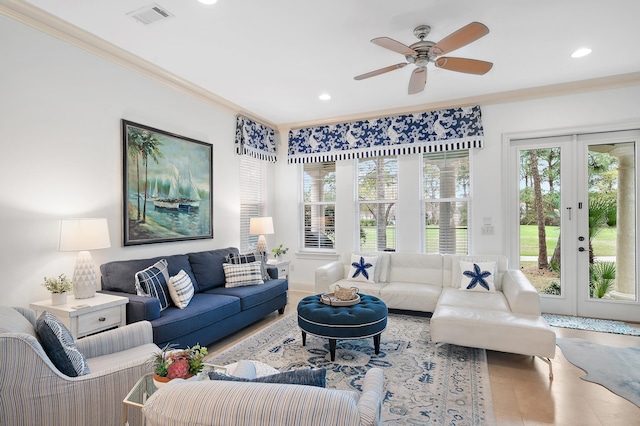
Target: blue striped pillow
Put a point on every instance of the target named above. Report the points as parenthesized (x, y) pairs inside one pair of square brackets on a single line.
[(58, 343), (152, 282), (304, 376), (243, 274), (181, 289)]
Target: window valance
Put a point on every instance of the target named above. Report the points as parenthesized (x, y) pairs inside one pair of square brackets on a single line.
[(433, 131), (255, 139)]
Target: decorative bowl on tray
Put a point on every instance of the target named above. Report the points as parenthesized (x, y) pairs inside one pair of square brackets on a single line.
[(332, 300)]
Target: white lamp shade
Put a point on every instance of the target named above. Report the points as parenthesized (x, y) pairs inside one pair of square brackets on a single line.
[(83, 234), (260, 226)]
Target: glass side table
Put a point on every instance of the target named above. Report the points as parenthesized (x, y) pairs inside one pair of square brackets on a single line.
[(144, 388)]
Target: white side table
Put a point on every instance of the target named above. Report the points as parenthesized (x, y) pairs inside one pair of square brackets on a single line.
[(87, 316), (283, 267)]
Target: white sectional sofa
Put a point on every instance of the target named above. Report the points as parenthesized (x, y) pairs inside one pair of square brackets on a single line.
[(507, 320)]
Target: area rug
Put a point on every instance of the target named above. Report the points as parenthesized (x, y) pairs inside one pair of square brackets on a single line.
[(591, 324), (424, 385), (615, 368)]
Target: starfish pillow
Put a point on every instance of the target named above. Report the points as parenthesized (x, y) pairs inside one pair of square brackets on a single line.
[(362, 268), (478, 276)]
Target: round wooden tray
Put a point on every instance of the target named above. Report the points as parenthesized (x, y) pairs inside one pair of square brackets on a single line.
[(332, 300)]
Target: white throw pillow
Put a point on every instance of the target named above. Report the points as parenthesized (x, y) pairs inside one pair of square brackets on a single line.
[(363, 268), (478, 276), (243, 274), (181, 289)]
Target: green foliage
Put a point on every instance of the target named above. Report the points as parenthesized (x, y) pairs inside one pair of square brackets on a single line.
[(553, 288), (280, 250), (59, 284), (602, 278)]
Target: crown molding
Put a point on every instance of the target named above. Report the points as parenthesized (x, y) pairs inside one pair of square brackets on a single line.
[(560, 89), (49, 24)]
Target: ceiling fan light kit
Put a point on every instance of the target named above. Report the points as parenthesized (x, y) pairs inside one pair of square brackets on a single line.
[(422, 52)]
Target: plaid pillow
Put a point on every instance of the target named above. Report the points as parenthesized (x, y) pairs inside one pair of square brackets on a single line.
[(152, 282), (238, 259), (243, 274)]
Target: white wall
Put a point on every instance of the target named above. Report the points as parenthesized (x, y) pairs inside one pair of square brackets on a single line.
[(60, 112)]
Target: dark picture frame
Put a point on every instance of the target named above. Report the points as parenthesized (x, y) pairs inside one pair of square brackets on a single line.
[(167, 192)]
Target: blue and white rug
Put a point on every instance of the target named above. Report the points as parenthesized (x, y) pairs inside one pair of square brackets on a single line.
[(591, 324), (615, 368), (424, 385)]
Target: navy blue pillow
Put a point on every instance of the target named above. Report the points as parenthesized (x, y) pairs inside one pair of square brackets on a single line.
[(306, 376), (59, 345), (153, 282)]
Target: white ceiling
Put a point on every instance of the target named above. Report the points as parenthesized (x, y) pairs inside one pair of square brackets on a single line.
[(273, 58)]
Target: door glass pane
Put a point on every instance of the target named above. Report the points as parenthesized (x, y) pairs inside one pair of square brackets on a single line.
[(612, 218), (540, 251)]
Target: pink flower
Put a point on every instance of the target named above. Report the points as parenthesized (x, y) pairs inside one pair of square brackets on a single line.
[(179, 369)]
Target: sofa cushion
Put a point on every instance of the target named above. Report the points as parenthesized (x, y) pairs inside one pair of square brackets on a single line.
[(477, 276), (416, 268), (472, 300), (119, 275), (12, 321), (207, 267), (304, 376), (243, 274), (204, 309), (58, 343), (153, 282), (411, 296), (363, 268), (251, 296), (181, 289)]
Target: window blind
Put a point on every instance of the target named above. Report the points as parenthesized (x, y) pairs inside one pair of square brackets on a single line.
[(319, 207), (252, 189)]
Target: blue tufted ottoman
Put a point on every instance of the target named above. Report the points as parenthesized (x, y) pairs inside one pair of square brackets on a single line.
[(368, 318)]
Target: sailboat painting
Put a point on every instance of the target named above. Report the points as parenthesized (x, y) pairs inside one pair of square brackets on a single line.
[(167, 186)]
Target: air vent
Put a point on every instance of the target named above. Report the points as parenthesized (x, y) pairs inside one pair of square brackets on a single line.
[(150, 14)]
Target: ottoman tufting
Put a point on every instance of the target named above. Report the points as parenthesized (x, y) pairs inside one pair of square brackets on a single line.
[(368, 318)]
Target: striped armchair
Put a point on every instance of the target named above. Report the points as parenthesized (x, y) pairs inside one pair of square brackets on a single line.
[(225, 403), (33, 391)]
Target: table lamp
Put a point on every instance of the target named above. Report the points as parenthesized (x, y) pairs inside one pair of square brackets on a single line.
[(82, 235), (261, 226)]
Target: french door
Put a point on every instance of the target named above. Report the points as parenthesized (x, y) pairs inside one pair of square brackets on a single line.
[(573, 221)]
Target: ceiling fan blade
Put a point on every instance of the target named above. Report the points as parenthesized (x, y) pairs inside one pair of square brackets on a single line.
[(380, 71), (469, 66), (391, 44), (462, 37), (418, 80)]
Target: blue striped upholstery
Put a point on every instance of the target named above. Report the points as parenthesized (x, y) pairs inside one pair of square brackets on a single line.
[(262, 404), (34, 392)]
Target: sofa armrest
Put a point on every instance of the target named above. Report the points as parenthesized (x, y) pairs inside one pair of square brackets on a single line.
[(139, 308), (370, 402), (117, 340), (327, 275), (521, 294)]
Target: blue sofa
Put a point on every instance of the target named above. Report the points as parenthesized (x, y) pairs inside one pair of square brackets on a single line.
[(213, 313)]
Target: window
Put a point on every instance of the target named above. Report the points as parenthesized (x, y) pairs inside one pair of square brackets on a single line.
[(377, 196), (319, 205), (446, 188), (252, 183)]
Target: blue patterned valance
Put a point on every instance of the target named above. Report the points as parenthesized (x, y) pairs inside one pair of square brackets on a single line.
[(444, 130), (255, 139)]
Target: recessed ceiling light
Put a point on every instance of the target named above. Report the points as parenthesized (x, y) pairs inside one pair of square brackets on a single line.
[(584, 51), (324, 97), (208, 2)]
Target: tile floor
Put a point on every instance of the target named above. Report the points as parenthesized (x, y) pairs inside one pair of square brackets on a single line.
[(522, 392)]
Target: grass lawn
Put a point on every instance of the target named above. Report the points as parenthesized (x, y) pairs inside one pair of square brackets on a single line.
[(603, 245)]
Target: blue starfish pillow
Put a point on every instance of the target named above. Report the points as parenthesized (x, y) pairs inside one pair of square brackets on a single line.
[(362, 268), (478, 276)]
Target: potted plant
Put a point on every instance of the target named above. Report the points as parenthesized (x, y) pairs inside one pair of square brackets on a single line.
[(170, 363), (59, 287), (279, 251)]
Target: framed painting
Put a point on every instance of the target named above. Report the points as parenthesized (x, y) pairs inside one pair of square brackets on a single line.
[(167, 190)]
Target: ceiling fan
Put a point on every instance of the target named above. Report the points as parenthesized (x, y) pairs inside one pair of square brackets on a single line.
[(422, 52)]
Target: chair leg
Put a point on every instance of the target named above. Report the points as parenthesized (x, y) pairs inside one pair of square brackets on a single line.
[(548, 361)]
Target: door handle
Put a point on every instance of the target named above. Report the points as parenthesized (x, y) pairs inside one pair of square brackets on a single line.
[(581, 249)]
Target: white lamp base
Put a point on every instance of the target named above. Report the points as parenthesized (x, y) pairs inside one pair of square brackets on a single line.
[(85, 276), (262, 244)]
